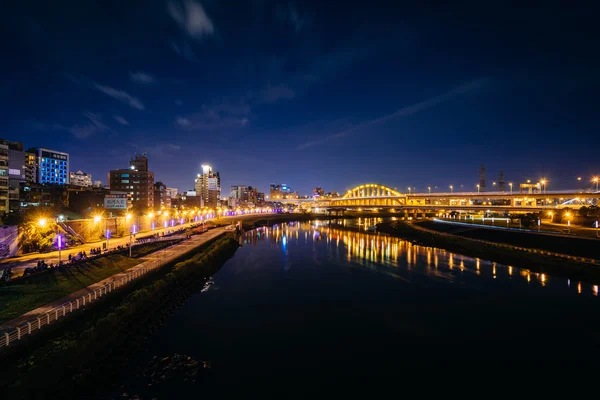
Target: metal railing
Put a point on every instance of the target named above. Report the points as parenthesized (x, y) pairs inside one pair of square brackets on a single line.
[(34, 324)]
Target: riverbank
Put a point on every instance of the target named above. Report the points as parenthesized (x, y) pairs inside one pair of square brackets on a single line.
[(568, 245), (88, 350), (254, 221), (531, 259)]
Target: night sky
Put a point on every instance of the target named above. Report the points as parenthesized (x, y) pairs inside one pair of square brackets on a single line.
[(307, 93)]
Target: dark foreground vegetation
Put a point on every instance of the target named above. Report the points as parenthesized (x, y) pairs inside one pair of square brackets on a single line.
[(82, 357), (532, 260)]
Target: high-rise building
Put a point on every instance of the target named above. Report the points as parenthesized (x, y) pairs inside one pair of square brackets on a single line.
[(52, 167), (3, 176), (161, 196), (80, 178), (138, 184), (208, 187), (280, 191), (139, 162), (237, 196), (17, 174), (30, 167), (318, 192), (171, 194)]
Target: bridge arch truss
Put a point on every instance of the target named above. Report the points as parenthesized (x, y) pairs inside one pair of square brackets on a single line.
[(370, 195)]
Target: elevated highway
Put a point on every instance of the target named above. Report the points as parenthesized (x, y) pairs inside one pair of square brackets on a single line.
[(382, 197)]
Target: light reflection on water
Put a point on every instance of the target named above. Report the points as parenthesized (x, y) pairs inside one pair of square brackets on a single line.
[(398, 257)]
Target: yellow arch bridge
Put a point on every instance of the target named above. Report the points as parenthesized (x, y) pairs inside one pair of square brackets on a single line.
[(373, 195), (370, 194)]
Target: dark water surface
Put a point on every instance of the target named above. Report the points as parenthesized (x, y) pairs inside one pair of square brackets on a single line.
[(313, 299)]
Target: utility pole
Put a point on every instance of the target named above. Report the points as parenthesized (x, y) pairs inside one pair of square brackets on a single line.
[(482, 178), (501, 181), (130, 237)]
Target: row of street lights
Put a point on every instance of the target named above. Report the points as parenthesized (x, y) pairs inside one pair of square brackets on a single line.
[(543, 185), (195, 214)]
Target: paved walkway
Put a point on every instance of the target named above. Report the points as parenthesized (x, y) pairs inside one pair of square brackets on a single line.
[(28, 260), (170, 253)]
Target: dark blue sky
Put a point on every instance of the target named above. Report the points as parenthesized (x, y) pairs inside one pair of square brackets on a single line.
[(329, 93)]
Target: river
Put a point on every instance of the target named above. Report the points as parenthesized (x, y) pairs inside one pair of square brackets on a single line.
[(310, 298)]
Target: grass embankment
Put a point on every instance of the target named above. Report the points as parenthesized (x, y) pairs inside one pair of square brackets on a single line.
[(578, 247), (28, 293), (87, 358), (501, 253), (144, 249), (576, 230)]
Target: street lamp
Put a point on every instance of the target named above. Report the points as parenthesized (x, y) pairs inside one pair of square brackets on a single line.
[(510, 184), (596, 180), (429, 188), (409, 190), (42, 222), (543, 182), (451, 189), (568, 215), (59, 243), (478, 188)]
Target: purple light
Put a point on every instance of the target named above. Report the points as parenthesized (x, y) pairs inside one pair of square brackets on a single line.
[(107, 234), (166, 224), (153, 225), (59, 242)]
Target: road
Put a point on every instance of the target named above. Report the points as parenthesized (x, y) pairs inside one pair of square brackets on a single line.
[(170, 253), (18, 264)]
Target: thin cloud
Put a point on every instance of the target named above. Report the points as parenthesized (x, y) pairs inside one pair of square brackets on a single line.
[(403, 112), (273, 94), (121, 96), (219, 117), (161, 149), (142, 78), (191, 18), (182, 121), (121, 120), (289, 15), (93, 127)]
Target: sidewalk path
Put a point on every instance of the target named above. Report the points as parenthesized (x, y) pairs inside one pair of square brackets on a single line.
[(169, 254), (18, 264)]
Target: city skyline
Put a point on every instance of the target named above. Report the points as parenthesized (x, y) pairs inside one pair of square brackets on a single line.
[(268, 92)]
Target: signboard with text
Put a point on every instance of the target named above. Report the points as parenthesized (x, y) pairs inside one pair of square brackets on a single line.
[(56, 156), (115, 201)]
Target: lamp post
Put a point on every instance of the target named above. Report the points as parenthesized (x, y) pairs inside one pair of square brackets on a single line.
[(429, 188), (59, 244), (451, 189), (131, 235), (543, 182), (568, 215), (478, 188), (510, 184), (596, 180), (597, 232)]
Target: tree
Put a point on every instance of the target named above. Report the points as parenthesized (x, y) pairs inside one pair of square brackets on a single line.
[(530, 219), (38, 236)]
